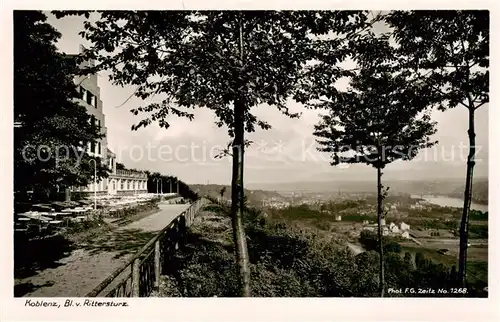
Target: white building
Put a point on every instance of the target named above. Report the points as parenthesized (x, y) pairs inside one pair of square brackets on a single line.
[(119, 181), (404, 226), (393, 228)]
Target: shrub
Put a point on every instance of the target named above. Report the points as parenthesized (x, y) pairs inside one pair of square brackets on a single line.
[(210, 272), (77, 227), (133, 210), (286, 262), (392, 247), (480, 231), (369, 240), (478, 215)]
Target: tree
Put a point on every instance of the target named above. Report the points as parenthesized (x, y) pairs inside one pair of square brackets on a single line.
[(51, 128), (226, 61), (154, 184), (450, 51), (222, 191), (378, 119)]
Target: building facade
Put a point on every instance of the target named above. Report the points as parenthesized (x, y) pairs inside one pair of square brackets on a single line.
[(119, 181)]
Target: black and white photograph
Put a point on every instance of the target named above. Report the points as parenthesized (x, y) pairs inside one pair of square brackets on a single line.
[(249, 153)]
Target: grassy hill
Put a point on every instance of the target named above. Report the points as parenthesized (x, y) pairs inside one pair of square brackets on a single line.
[(255, 197), (287, 261)]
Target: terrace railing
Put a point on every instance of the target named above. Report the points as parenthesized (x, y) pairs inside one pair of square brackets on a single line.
[(131, 174), (140, 275)]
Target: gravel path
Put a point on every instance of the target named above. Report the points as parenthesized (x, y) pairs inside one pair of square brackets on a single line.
[(356, 249), (159, 220), (84, 266)]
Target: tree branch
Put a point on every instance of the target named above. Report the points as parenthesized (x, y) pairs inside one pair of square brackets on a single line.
[(478, 106)]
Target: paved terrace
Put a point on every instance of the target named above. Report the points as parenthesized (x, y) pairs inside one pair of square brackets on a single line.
[(82, 266)]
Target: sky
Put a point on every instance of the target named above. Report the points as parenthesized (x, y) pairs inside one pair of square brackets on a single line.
[(285, 153)]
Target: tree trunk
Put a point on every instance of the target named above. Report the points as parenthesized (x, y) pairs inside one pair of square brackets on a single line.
[(380, 234), (464, 224), (237, 200)]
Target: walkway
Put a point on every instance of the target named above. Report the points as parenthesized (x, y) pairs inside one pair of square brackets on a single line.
[(81, 267)]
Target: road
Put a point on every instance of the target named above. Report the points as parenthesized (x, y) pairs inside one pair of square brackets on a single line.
[(356, 249), (86, 265)]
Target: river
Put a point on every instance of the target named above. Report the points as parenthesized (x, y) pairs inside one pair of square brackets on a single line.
[(450, 202)]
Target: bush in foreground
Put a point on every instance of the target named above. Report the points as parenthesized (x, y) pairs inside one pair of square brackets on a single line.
[(286, 262)]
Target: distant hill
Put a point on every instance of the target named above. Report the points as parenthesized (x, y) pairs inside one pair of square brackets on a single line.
[(255, 197), (447, 187)]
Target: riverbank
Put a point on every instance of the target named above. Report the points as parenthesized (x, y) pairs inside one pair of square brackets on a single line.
[(445, 201)]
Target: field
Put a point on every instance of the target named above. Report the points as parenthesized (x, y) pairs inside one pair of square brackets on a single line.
[(434, 226)]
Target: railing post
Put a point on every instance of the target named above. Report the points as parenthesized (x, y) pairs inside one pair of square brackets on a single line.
[(176, 234), (136, 277), (157, 264)]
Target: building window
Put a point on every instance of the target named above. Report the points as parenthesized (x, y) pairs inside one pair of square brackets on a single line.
[(99, 125), (89, 98), (92, 146), (99, 148), (82, 93), (95, 101), (93, 121), (121, 185)]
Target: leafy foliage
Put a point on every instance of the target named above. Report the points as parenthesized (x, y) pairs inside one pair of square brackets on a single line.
[(378, 119), (226, 61), (369, 240), (449, 50), (288, 263), (120, 166), (222, 191), (49, 119), (169, 184), (193, 58)]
